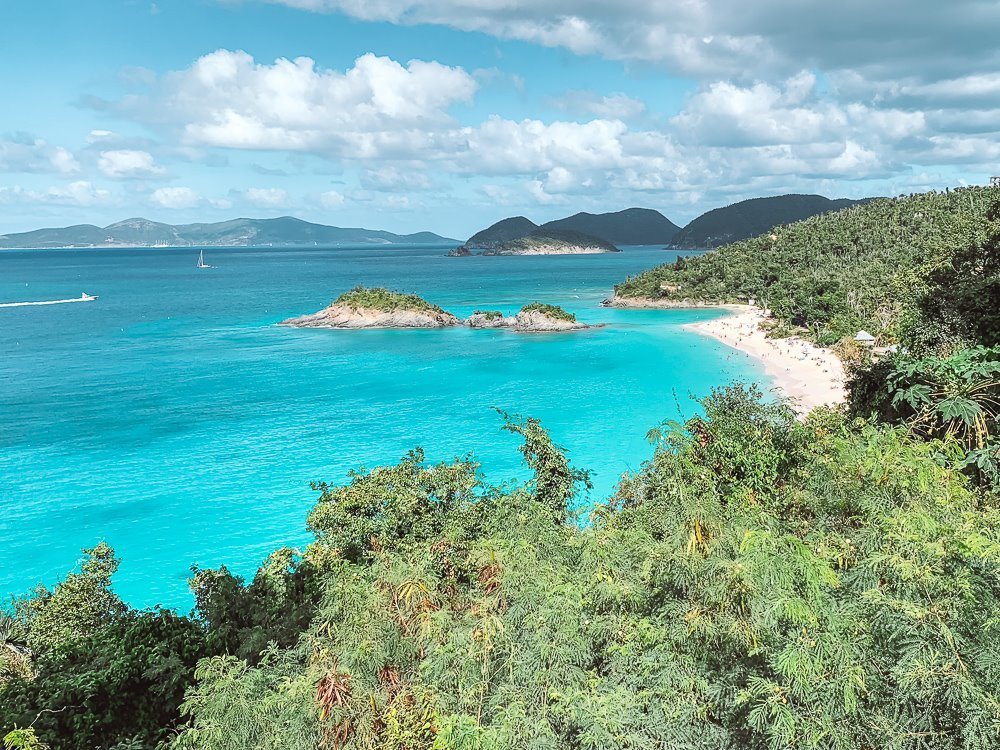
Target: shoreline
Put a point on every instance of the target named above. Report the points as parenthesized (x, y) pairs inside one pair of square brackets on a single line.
[(806, 374)]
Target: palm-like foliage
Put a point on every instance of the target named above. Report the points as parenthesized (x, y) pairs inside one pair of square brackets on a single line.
[(15, 656), (955, 398)]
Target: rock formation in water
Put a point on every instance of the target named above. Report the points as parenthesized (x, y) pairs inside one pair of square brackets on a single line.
[(553, 242), (534, 318), (376, 308), (381, 308)]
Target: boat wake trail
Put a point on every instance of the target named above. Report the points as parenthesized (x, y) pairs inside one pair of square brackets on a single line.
[(83, 298)]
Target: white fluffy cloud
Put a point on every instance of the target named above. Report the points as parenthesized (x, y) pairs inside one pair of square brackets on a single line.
[(227, 99), (80, 193), (331, 199), (392, 122), (24, 153), (129, 164), (175, 197), (783, 95), (267, 197)]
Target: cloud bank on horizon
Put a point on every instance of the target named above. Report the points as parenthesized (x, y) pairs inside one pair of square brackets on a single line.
[(399, 112)]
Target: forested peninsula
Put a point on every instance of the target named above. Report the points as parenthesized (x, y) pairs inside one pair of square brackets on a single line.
[(762, 582)]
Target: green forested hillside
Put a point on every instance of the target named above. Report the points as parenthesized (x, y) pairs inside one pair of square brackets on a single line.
[(900, 268), (633, 226), (761, 583), (750, 218), (502, 231), (922, 271)]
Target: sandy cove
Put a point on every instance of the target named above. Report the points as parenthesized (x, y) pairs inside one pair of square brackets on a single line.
[(807, 374)]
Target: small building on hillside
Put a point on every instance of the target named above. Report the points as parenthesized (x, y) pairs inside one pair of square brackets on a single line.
[(864, 338)]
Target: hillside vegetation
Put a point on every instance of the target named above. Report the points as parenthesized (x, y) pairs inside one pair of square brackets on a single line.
[(632, 226), (922, 271), (384, 300), (750, 218), (909, 268), (542, 241), (503, 230), (759, 584), (552, 311)]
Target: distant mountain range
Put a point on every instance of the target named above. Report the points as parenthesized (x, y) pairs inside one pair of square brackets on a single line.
[(643, 226), (633, 226), (284, 231), (751, 218)]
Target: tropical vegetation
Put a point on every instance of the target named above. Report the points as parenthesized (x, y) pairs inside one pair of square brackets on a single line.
[(920, 272), (750, 218), (489, 314), (551, 311), (923, 268), (760, 583), (384, 300)]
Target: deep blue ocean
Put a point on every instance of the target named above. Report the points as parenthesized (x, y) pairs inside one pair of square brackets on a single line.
[(173, 419)]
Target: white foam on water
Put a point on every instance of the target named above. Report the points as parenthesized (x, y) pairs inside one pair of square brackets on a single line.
[(48, 302)]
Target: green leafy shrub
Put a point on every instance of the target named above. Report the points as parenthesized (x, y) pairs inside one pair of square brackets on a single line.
[(953, 397), (761, 583)]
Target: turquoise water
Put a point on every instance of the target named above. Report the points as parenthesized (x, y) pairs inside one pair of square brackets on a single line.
[(173, 419)]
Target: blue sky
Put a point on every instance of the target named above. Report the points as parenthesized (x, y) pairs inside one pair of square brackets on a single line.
[(450, 114)]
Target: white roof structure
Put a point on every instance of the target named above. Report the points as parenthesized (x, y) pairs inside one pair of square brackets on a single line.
[(864, 336)]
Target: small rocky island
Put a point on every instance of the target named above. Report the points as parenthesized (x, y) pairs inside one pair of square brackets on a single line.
[(376, 308), (381, 308), (534, 318), (540, 242)]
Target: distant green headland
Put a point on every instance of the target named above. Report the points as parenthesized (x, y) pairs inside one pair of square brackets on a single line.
[(889, 266), (284, 231), (642, 226), (751, 218), (578, 234)]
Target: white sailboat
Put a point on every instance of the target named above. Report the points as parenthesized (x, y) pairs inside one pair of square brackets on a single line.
[(201, 260)]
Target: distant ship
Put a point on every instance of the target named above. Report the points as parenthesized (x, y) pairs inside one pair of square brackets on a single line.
[(201, 260)]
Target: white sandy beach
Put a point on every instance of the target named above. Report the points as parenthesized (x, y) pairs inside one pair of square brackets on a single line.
[(807, 374)]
